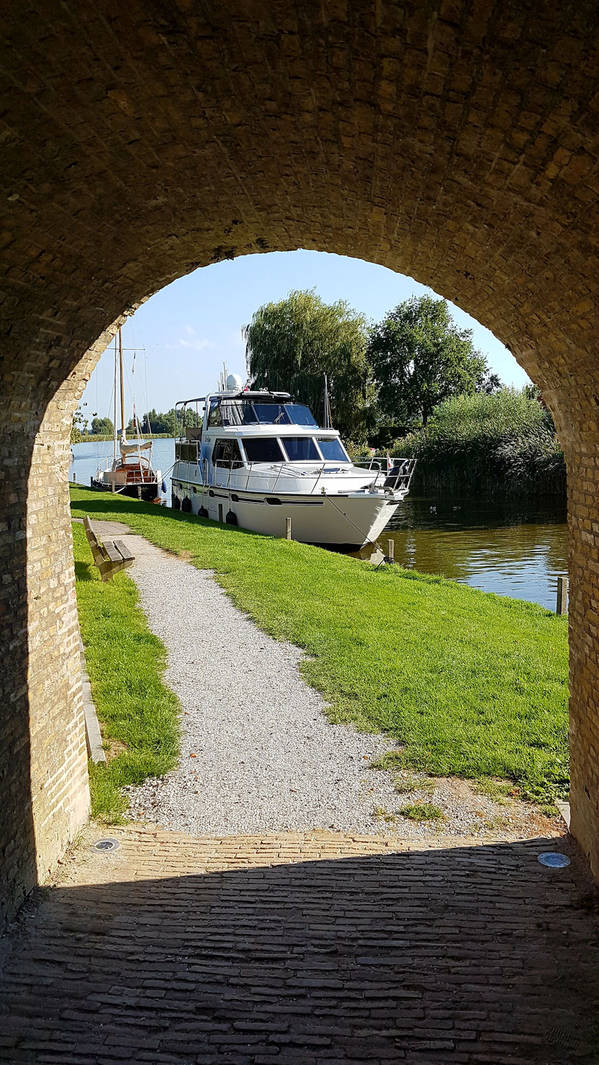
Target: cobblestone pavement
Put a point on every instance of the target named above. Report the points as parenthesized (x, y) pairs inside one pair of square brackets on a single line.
[(300, 949)]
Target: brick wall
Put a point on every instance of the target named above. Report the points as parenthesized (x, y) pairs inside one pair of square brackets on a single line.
[(454, 141)]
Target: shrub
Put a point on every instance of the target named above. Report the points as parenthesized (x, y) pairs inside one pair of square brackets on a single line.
[(501, 443)]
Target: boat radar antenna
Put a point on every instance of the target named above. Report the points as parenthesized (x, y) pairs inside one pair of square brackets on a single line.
[(245, 336), (222, 379), (327, 404)]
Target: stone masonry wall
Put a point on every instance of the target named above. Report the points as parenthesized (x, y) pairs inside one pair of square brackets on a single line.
[(583, 481), (58, 751), (454, 141)]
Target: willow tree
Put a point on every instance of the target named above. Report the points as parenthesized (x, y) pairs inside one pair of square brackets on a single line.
[(293, 343)]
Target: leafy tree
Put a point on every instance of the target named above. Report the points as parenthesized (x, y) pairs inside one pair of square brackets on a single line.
[(292, 343), (79, 426), (154, 422), (419, 357), (168, 422), (102, 427)]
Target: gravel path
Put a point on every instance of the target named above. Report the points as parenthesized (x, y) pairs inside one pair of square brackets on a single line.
[(258, 753)]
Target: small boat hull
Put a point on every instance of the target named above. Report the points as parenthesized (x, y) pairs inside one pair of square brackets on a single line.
[(148, 491), (344, 520)]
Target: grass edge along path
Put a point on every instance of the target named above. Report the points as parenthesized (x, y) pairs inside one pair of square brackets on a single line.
[(468, 683), (125, 661)]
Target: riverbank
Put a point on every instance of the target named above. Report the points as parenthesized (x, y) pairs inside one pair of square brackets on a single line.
[(466, 683)]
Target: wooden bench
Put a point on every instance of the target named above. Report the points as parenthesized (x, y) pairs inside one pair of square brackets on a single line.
[(110, 556)]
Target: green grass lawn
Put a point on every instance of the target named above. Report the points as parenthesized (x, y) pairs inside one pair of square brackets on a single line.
[(466, 682), (125, 662)]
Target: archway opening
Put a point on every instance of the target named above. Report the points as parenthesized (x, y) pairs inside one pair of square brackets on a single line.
[(189, 336)]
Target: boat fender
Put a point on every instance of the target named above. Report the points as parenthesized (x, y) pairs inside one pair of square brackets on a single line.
[(202, 512), (186, 505), (231, 518), (175, 502)]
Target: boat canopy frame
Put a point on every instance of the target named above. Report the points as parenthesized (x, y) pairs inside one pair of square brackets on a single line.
[(266, 394)]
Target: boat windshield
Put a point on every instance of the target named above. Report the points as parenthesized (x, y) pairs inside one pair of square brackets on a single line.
[(262, 449), (332, 448), (252, 411), (300, 448)]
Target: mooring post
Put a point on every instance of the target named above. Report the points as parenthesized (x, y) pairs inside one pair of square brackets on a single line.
[(288, 528), (391, 550), (562, 596)]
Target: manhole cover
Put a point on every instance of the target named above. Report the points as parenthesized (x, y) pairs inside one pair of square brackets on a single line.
[(106, 845), (554, 859)]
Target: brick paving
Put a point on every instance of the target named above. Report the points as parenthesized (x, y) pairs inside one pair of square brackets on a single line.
[(297, 949)]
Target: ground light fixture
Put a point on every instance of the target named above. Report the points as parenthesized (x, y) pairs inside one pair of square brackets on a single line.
[(553, 859), (105, 845)]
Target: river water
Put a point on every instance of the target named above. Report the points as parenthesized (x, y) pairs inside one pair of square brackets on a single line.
[(514, 549)]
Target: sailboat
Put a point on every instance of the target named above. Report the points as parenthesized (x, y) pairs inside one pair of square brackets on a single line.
[(131, 471)]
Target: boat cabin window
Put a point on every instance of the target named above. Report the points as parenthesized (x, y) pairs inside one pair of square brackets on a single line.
[(214, 415), (226, 453), (262, 449), (279, 413), (262, 412), (300, 449), (332, 449)]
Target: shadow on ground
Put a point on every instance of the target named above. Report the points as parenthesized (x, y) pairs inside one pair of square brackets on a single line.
[(462, 955)]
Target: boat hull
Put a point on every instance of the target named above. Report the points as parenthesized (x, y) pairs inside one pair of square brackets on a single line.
[(348, 520), (148, 491)]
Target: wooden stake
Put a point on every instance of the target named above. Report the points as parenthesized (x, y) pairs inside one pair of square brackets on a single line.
[(220, 512), (562, 596), (391, 550), (288, 528)]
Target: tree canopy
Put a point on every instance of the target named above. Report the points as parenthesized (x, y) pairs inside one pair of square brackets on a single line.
[(102, 426), (419, 358), (292, 343), (79, 425)]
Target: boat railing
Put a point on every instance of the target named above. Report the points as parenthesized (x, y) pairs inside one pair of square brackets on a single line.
[(395, 476), (391, 473), (133, 475)]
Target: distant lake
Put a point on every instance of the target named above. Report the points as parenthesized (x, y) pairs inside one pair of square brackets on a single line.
[(514, 549)]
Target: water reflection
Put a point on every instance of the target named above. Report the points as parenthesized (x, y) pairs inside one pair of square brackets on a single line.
[(514, 549)]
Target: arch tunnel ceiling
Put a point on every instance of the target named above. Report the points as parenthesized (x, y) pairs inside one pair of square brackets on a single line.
[(454, 141)]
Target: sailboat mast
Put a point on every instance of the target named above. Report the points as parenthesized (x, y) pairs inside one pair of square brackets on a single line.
[(114, 413), (122, 386)]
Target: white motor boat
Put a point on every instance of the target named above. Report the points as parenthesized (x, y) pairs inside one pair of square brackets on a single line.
[(259, 460)]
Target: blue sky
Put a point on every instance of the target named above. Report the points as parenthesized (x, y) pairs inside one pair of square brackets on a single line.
[(184, 333)]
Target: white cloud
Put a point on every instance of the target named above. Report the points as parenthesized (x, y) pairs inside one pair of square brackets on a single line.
[(196, 345)]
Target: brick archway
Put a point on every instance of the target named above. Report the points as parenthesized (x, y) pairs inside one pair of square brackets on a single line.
[(453, 141)]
